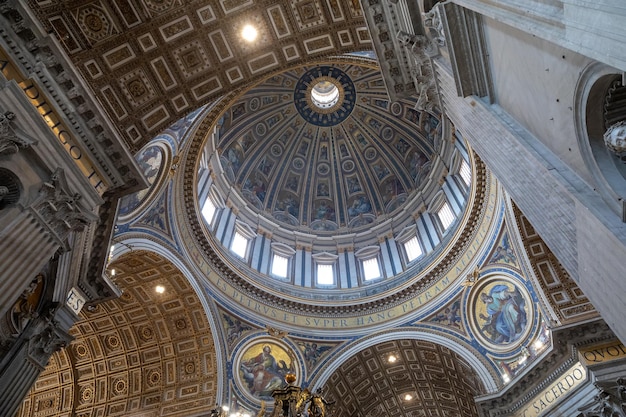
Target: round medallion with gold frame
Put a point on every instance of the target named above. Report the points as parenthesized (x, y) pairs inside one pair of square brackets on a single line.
[(261, 366), (500, 312)]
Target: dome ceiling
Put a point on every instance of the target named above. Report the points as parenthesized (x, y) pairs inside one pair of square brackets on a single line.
[(321, 149)]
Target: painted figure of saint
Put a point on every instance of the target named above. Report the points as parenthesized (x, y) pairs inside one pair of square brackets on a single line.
[(506, 320), (262, 373)]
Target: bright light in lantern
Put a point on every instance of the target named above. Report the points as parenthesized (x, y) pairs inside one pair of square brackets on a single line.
[(249, 33)]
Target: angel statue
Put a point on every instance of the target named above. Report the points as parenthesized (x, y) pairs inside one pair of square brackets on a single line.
[(318, 406)]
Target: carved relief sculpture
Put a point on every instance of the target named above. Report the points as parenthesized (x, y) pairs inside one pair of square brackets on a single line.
[(9, 142), (60, 210)]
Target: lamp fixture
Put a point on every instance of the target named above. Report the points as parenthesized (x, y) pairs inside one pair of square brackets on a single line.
[(249, 33)]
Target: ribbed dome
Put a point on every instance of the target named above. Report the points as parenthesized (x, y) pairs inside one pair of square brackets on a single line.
[(322, 150)]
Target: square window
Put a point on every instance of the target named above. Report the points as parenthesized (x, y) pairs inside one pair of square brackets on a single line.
[(325, 274), (446, 216), (371, 269), (280, 265), (239, 246), (413, 249)]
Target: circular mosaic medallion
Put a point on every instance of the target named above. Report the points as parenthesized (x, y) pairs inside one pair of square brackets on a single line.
[(298, 163), (396, 108), (500, 312), (277, 150), (370, 154), (323, 169), (255, 103), (325, 96), (261, 367), (261, 129), (387, 133)]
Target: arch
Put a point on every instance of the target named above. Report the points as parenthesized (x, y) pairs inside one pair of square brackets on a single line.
[(127, 245), (589, 97), (485, 375)]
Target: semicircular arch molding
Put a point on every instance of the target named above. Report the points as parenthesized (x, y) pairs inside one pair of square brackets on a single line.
[(589, 102), (125, 246), (486, 375)]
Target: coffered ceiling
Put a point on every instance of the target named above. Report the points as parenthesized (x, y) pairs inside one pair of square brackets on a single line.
[(425, 379), (150, 62), (151, 354), (144, 354)]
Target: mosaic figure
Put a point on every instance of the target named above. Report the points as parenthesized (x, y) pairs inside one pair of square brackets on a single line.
[(150, 161), (504, 253), (263, 368), (505, 320), (360, 206), (324, 212), (312, 352)]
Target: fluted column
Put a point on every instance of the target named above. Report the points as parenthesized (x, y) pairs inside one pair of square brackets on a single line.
[(25, 248)]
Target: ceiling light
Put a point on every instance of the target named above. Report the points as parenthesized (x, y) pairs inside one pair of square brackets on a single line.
[(160, 289), (408, 397), (392, 359), (249, 33)]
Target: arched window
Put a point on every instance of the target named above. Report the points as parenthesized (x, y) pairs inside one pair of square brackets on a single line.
[(445, 215), (411, 248)]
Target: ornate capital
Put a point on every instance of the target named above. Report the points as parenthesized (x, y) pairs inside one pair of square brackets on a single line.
[(10, 142), (610, 402), (48, 340), (434, 25), (60, 209)]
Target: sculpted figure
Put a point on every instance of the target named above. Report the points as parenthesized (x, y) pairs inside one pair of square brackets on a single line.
[(615, 138)]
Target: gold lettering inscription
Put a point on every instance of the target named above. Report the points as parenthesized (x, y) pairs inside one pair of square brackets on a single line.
[(602, 353), (41, 103), (555, 392)]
